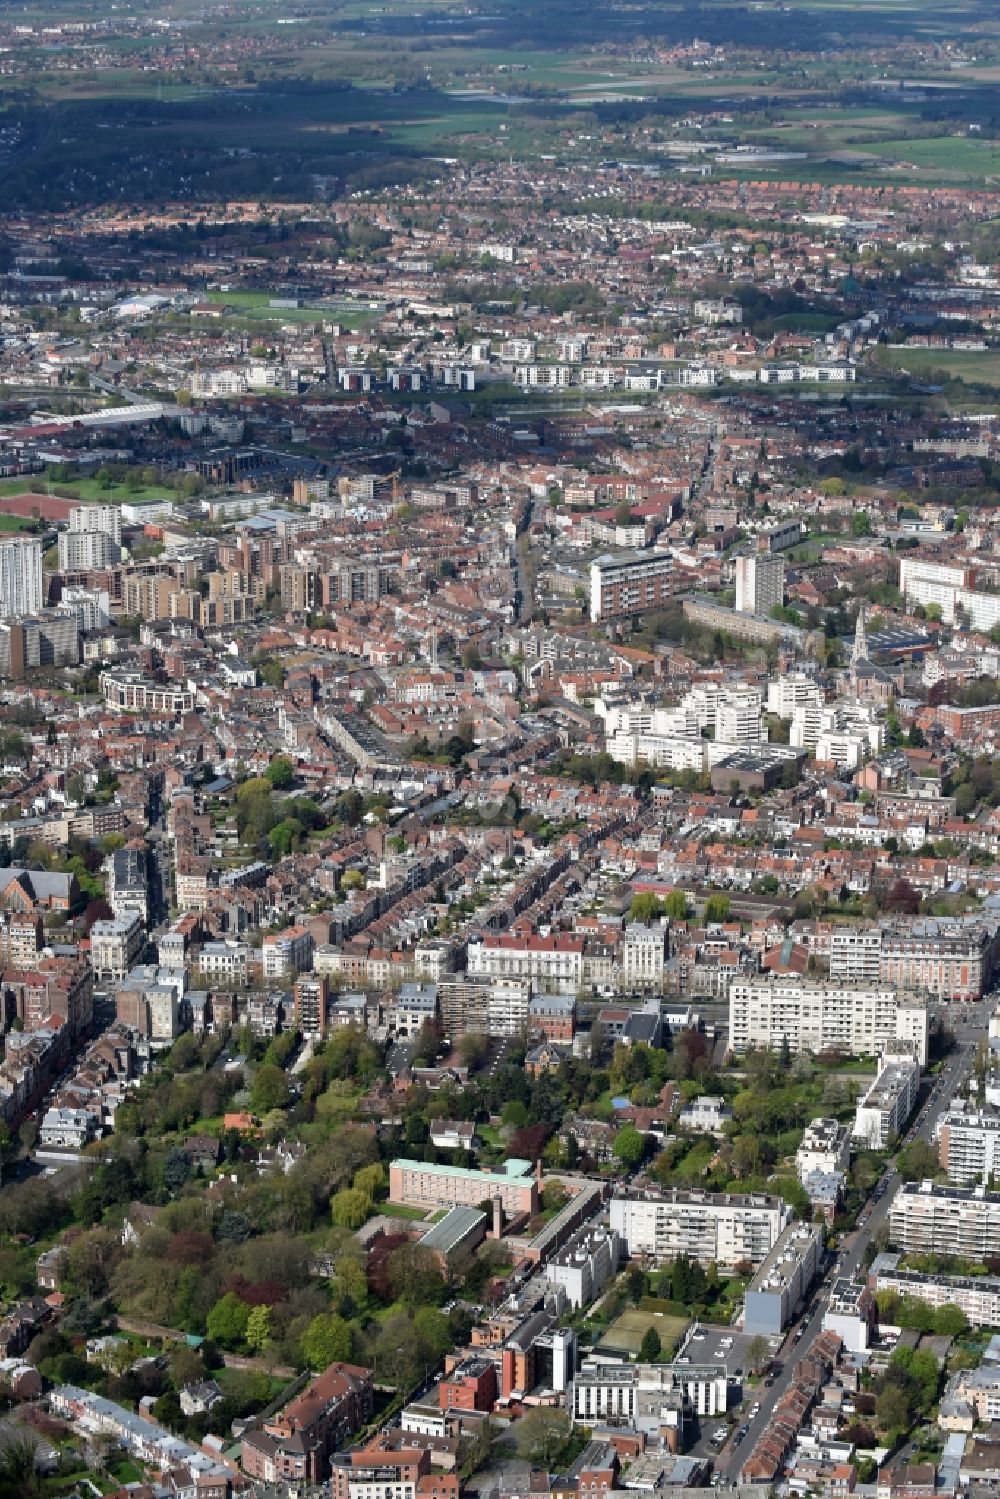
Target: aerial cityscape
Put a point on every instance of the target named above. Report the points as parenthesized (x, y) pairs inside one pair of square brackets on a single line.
[(499, 749)]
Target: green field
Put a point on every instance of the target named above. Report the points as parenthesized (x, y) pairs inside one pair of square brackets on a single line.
[(627, 1330), (968, 365)]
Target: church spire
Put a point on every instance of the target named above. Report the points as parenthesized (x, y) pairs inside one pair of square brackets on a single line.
[(860, 651)]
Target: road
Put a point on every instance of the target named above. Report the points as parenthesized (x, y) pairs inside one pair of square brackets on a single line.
[(939, 1091)]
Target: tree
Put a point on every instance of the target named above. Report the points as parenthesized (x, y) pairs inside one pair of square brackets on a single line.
[(350, 1208), (227, 1321), (629, 1146), (280, 773), (758, 1352), (649, 1348), (176, 1169), (675, 905), (717, 909), (903, 897), (327, 1340), (918, 1161), (950, 1321), (415, 1276), (646, 906), (270, 1089), (541, 1434), (258, 1333), (861, 524)]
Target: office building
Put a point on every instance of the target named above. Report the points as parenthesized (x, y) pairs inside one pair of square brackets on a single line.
[(20, 577), (714, 1227), (928, 1219), (760, 584), (817, 1017)]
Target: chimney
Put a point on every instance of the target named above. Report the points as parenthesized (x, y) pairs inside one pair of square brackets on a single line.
[(497, 1218)]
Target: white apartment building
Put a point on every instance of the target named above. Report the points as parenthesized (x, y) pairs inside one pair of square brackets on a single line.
[(825, 1148), (643, 953), (780, 1285), (105, 518), (285, 954), (794, 690), (817, 1017), (585, 1266), (115, 945), (760, 584), (81, 551), (554, 963), (713, 1227), (855, 955), (632, 1395), (882, 1113), (951, 589), (978, 1296), (925, 1218), (969, 1144), (20, 577)]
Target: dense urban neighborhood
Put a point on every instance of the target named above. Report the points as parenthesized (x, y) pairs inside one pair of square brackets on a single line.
[(499, 732)]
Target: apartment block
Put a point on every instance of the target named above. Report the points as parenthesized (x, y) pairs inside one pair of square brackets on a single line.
[(629, 583), (713, 1227), (817, 1017), (978, 1296), (779, 1288), (969, 1145), (584, 1267), (930, 1219), (882, 1112), (760, 584), (637, 1396)]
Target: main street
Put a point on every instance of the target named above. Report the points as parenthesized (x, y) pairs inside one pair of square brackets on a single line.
[(969, 1025)]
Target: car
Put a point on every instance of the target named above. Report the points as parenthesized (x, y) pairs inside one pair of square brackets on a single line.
[(755, 1409), (720, 1433)]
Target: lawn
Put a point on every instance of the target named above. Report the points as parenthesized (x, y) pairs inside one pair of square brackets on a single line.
[(976, 368), (15, 522), (626, 1332), (400, 1210)]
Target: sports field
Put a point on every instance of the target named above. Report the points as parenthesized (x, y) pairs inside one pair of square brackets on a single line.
[(626, 1332)]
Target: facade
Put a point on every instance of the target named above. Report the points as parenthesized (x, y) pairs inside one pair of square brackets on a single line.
[(284, 954), (116, 945), (946, 959), (554, 963), (629, 583), (969, 1145), (816, 1017), (925, 1218), (311, 995), (713, 1227), (633, 1395), (20, 577), (760, 584), (779, 1288), (643, 954), (83, 551), (421, 1183)]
